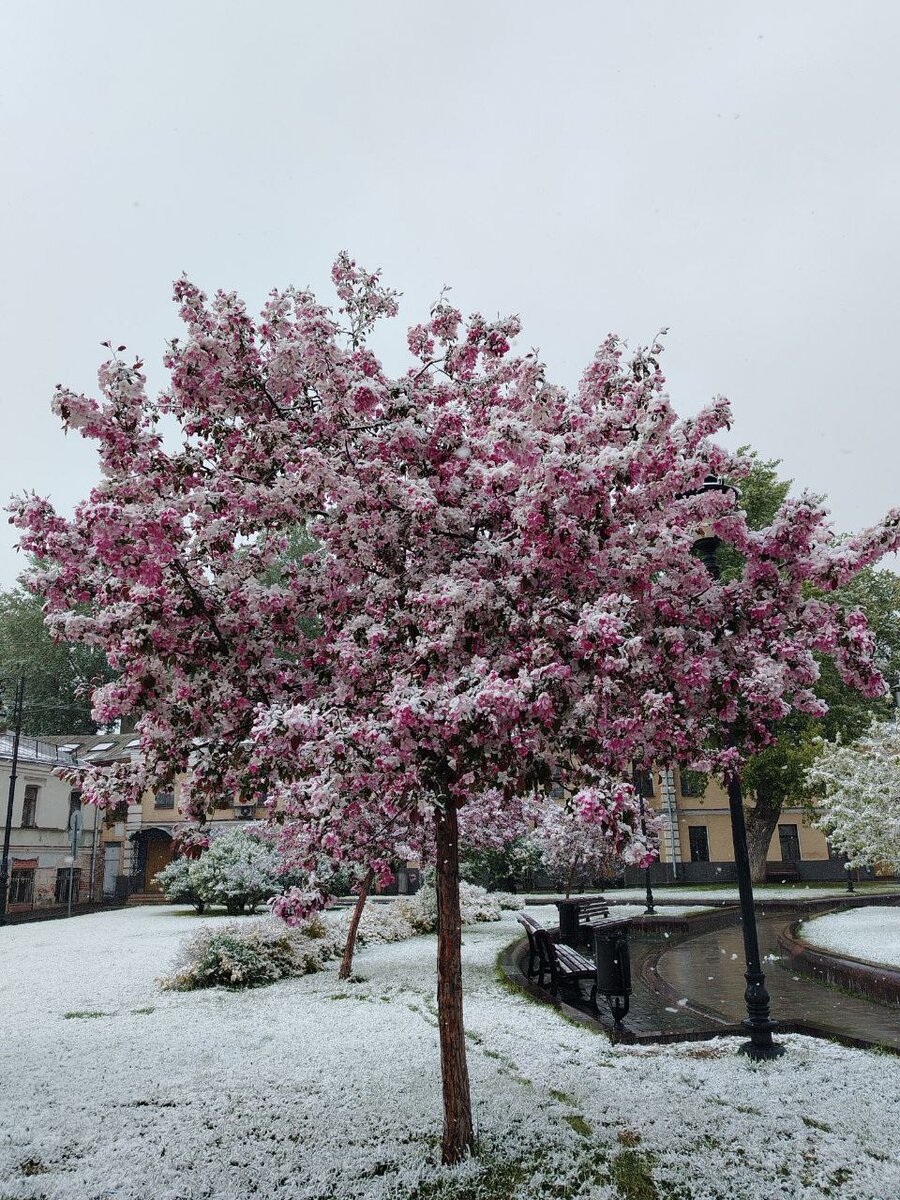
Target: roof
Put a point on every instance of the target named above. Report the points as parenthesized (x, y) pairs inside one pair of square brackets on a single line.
[(98, 747)]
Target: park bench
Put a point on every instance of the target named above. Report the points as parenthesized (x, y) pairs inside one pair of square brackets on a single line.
[(784, 872), (594, 909), (565, 964), (548, 957), (538, 963)]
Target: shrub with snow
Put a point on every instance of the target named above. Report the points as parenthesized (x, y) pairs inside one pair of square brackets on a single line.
[(238, 869), (246, 956), (412, 915), (175, 881)]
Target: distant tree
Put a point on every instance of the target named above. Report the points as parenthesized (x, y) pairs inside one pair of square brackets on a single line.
[(59, 675), (859, 796), (577, 852)]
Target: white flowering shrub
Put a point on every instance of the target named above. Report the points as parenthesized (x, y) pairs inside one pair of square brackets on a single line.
[(237, 869), (175, 881), (251, 955)]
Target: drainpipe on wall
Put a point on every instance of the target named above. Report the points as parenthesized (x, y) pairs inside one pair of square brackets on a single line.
[(674, 846)]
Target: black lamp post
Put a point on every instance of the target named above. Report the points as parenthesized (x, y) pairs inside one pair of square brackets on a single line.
[(758, 1023), (7, 828)]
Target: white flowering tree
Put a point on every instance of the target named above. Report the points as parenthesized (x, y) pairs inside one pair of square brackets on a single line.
[(859, 789), (237, 868)]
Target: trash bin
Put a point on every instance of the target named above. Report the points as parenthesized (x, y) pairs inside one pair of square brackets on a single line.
[(613, 964), (569, 921)]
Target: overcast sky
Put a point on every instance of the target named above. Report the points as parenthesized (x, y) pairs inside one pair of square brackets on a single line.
[(727, 170)]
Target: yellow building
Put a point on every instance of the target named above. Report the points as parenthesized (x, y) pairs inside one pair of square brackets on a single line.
[(696, 844), (138, 842)]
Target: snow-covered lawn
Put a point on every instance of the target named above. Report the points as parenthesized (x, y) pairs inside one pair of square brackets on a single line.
[(872, 934), (316, 1090)]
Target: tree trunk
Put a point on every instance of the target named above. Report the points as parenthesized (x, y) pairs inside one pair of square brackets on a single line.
[(761, 819), (458, 1137), (350, 944)]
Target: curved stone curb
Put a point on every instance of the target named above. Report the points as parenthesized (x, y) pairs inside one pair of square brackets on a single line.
[(870, 980)]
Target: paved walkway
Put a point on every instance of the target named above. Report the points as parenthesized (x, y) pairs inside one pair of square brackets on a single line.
[(708, 972), (695, 989)]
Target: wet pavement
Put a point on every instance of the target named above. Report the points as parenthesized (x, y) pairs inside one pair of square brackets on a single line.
[(694, 988), (708, 972)]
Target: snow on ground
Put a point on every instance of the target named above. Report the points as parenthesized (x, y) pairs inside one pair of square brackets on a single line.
[(619, 912), (311, 1089), (683, 895), (872, 934)]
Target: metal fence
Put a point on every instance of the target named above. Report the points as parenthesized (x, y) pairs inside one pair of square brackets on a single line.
[(34, 750)]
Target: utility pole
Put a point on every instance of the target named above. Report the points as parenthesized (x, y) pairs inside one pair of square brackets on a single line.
[(7, 829)]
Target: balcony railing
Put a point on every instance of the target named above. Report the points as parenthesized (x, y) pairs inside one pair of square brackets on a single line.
[(34, 750)]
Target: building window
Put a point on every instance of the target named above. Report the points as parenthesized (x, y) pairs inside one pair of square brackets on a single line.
[(21, 886), (643, 782), (29, 806), (63, 875), (790, 843), (692, 783), (699, 842), (164, 799), (74, 803)]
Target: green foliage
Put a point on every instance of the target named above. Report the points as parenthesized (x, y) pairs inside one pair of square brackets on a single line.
[(58, 675), (762, 494), (501, 870)]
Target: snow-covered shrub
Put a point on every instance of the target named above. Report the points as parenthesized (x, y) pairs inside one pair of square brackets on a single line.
[(508, 900), (175, 881), (394, 922), (410, 916), (238, 868), (245, 956)]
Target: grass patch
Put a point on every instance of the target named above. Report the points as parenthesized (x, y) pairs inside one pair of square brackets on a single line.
[(564, 1098), (144, 1012), (816, 1124), (33, 1166), (85, 1015), (579, 1124), (631, 1174)]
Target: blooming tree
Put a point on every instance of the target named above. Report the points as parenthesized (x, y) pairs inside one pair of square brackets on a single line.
[(502, 591), (859, 790), (574, 847)]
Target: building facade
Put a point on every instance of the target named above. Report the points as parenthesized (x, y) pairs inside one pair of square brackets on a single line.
[(696, 845), (54, 840), (138, 841)]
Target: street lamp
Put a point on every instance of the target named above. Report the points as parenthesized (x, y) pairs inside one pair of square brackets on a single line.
[(758, 1023)]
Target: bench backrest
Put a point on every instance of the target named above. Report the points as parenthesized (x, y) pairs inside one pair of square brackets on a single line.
[(592, 909)]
